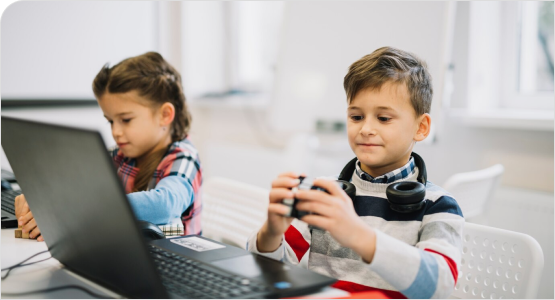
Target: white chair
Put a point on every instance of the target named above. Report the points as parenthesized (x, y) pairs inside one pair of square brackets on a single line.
[(232, 210), (473, 190), (498, 263)]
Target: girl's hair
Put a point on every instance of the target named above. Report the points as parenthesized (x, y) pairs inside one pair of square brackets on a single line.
[(388, 64), (156, 80)]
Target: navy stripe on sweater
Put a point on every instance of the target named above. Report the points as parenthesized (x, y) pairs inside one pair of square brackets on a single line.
[(369, 206)]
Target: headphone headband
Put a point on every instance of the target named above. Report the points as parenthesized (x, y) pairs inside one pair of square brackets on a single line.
[(422, 174), (347, 172)]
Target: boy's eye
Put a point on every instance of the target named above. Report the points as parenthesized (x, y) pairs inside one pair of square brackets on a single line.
[(125, 120), (384, 119), (356, 118)]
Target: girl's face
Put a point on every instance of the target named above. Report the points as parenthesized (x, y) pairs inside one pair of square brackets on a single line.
[(138, 128)]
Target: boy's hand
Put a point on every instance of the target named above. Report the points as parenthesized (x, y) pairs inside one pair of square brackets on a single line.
[(334, 212), (25, 218), (269, 236)]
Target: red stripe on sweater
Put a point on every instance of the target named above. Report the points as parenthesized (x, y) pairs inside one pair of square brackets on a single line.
[(296, 241), (359, 291), (452, 265)]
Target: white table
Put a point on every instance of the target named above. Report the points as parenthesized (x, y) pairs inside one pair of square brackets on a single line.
[(50, 273), (40, 276)]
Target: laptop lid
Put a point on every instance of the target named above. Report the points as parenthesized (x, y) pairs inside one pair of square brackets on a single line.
[(78, 201)]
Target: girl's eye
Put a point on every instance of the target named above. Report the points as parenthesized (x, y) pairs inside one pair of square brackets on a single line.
[(356, 118), (126, 120), (384, 119)]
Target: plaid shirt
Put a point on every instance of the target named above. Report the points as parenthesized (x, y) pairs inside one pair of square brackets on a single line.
[(402, 172), (182, 160)]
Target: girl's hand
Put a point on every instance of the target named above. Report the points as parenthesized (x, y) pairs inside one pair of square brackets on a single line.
[(21, 206), (25, 218), (269, 236), (335, 213)]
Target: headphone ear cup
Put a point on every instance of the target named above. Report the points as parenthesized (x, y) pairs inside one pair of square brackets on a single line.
[(349, 188), (406, 196)]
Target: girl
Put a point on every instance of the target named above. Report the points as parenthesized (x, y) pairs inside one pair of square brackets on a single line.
[(142, 99)]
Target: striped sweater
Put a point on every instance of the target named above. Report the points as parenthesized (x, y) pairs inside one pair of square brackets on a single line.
[(417, 254)]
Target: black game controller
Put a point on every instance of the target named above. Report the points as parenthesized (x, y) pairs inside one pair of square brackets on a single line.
[(306, 183)]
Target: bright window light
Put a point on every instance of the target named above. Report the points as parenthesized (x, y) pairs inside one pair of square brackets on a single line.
[(536, 47)]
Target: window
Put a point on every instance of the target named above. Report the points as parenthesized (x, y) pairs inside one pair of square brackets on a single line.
[(230, 47), (536, 47), (527, 63), (255, 37), (510, 65)]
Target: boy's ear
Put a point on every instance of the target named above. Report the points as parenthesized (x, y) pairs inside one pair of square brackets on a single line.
[(167, 114), (424, 125)]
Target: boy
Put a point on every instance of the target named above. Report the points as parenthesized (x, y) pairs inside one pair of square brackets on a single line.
[(362, 242)]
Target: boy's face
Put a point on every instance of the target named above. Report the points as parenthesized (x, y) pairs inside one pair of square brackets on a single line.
[(136, 127), (382, 127)]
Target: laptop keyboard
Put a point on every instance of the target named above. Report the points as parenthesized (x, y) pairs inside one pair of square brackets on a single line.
[(192, 279), (8, 198)]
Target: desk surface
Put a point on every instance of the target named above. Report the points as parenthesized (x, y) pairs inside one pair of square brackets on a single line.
[(40, 276), (50, 273)]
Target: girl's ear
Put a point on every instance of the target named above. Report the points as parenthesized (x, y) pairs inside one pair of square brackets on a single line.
[(167, 114), (424, 125)]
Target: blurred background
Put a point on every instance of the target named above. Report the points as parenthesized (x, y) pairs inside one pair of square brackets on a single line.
[(264, 83)]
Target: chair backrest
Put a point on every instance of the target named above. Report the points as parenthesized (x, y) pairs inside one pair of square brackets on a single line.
[(232, 210), (472, 190), (498, 263)]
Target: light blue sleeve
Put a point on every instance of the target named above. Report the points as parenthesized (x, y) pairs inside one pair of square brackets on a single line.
[(167, 201)]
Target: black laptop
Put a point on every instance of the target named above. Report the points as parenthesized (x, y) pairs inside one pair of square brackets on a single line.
[(10, 190), (88, 225)]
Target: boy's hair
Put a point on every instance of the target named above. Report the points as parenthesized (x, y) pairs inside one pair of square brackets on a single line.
[(389, 64), (155, 79)]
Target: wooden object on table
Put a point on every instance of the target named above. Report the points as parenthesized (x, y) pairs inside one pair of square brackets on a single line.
[(20, 235)]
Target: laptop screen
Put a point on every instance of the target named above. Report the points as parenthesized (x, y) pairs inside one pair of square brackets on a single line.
[(80, 206)]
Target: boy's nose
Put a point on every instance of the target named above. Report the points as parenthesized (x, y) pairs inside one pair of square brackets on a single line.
[(368, 128)]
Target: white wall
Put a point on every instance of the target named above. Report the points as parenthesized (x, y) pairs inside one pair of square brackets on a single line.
[(320, 40), (55, 49)]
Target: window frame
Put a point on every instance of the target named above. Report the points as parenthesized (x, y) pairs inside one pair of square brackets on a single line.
[(511, 97)]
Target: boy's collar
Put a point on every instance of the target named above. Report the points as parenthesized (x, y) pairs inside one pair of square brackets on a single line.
[(389, 177)]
